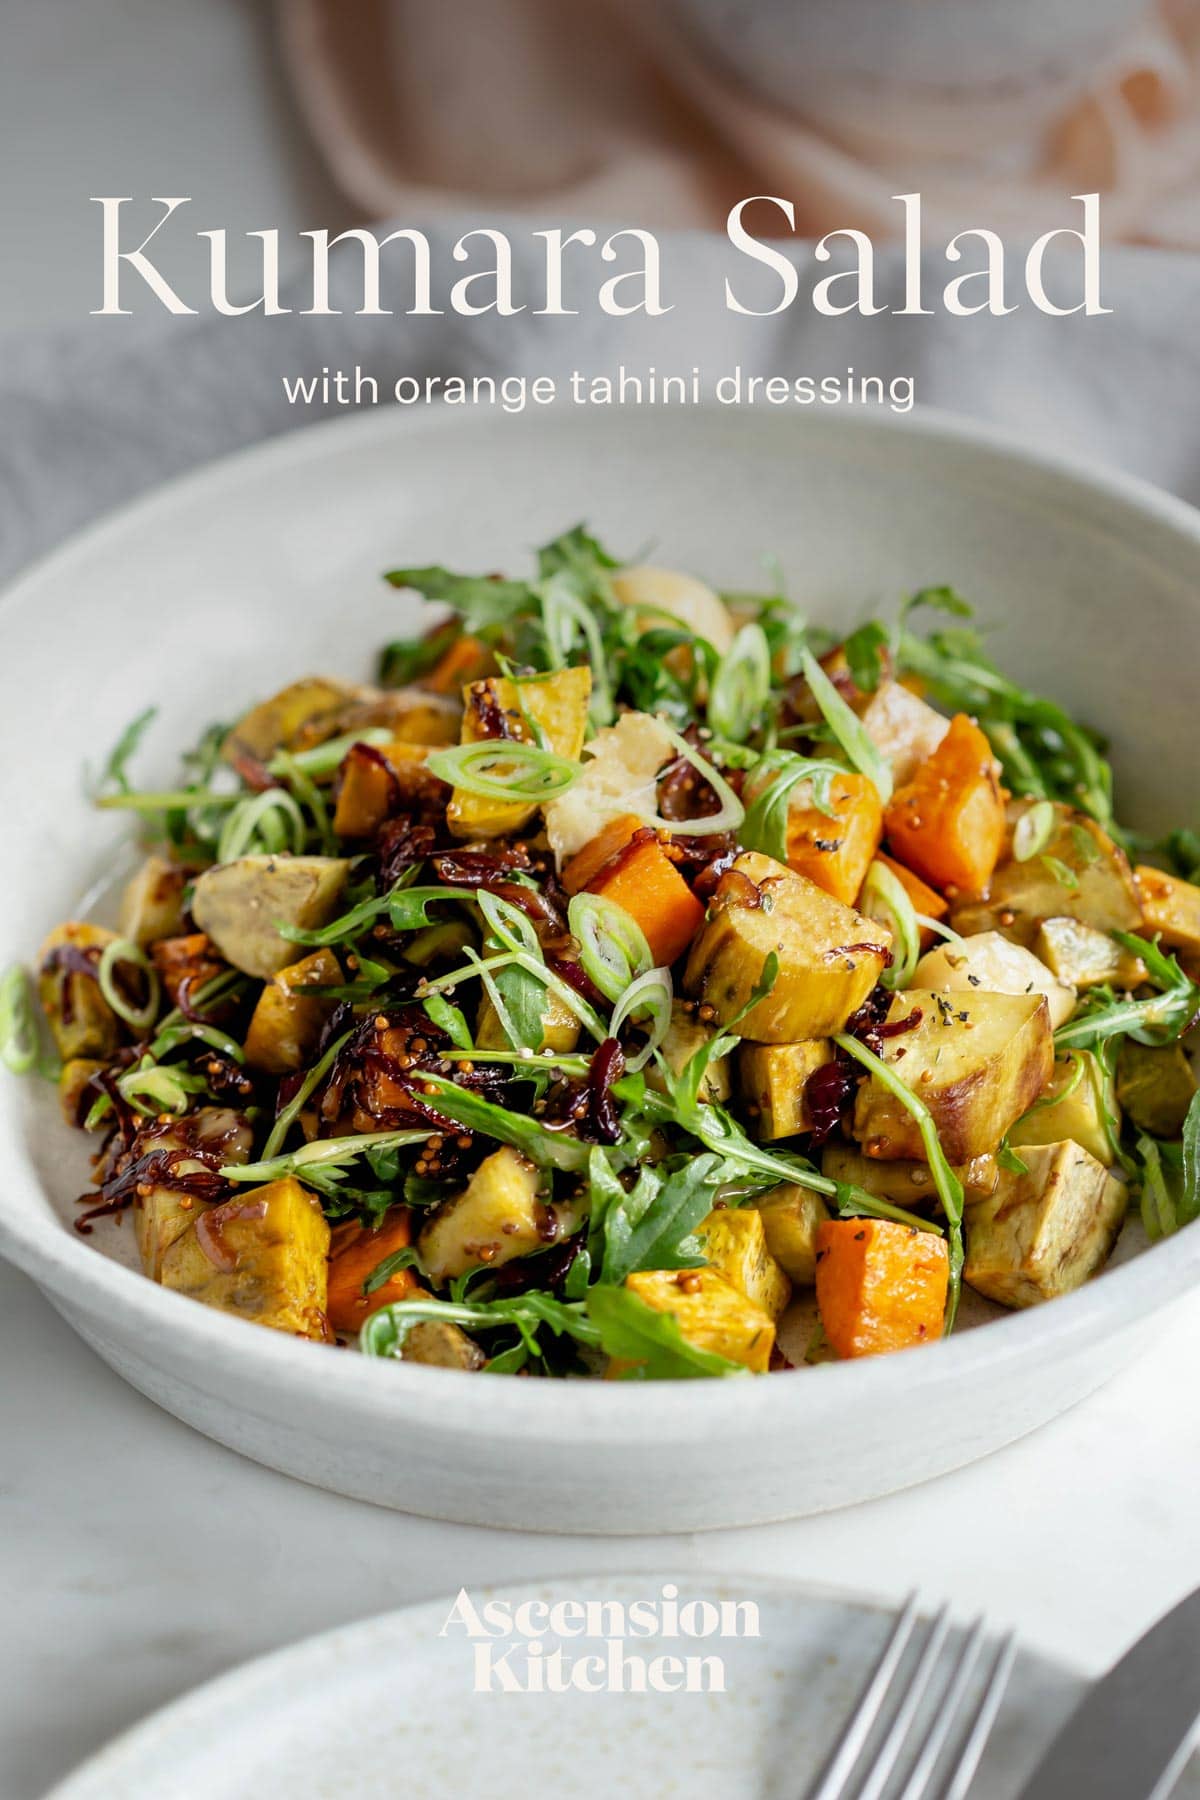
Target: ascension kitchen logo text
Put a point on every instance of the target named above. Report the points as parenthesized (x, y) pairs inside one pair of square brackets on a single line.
[(591, 1646)]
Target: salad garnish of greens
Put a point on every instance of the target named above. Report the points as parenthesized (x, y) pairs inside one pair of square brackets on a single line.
[(637, 982)]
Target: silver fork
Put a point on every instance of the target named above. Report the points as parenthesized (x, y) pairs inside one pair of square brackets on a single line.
[(948, 1753)]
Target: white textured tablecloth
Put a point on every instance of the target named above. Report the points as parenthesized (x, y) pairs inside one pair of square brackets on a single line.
[(136, 1558)]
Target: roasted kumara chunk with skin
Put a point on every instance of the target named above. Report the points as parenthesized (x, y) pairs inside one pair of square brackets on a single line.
[(163, 1208), (1078, 873), (277, 723), (829, 956), (991, 964), (261, 1256), (152, 905), (242, 904), (977, 1060), (1083, 957), (1079, 1103), (1047, 1231), (503, 1212), (81, 1020)]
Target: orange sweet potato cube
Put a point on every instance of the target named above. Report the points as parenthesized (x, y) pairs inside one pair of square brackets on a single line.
[(836, 850), (947, 823), (880, 1286), (925, 899), (355, 1252)]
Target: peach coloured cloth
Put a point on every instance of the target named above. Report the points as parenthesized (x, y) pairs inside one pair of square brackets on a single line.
[(611, 110)]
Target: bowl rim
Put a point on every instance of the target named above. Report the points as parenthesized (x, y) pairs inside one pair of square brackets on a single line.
[(60, 1261)]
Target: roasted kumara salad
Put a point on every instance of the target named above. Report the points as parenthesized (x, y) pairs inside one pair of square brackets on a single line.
[(633, 964)]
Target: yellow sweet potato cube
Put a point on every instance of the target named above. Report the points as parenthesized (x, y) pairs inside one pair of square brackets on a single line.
[(772, 1079), (555, 705), (262, 1256), (734, 1240), (502, 1213), (792, 1216), (1074, 1105), (684, 1036), (285, 1026), (710, 1313)]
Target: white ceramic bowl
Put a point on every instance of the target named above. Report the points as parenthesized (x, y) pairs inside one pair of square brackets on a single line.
[(267, 567)]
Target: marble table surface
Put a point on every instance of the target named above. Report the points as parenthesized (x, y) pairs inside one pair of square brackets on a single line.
[(137, 1558)]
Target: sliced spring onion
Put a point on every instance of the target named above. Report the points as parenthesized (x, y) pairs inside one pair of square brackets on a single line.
[(295, 1106), (846, 727), (322, 1154), (883, 898), (1033, 832), (124, 950), (741, 686), (324, 758), (612, 945), (645, 1002), (938, 928), (769, 791), (309, 794), (512, 928), (731, 813), (271, 821), (19, 1043), (496, 769), (949, 1187), (562, 609), (172, 800), (159, 1088)]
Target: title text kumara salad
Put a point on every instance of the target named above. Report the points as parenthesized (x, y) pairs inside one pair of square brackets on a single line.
[(633, 968)]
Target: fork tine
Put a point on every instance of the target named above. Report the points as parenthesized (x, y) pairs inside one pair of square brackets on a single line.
[(888, 1754), (972, 1746), (832, 1782), (917, 1785), (988, 1706)]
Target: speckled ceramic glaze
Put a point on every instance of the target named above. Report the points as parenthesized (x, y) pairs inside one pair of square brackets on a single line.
[(266, 568)]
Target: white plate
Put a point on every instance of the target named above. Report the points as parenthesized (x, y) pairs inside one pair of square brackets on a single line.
[(267, 567), (389, 1706)]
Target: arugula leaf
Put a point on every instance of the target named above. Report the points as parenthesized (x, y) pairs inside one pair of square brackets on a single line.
[(577, 553), (864, 652), (113, 775), (407, 659), (1159, 1019), (651, 1341), (651, 1227), (384, 1332), (769, 792), (847, 727), (481, 601), (550, 1149)]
